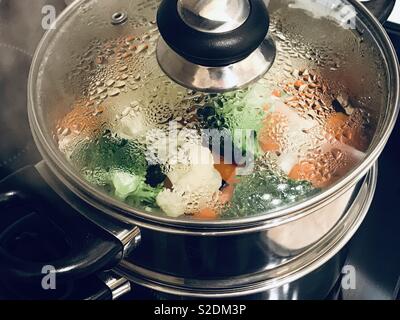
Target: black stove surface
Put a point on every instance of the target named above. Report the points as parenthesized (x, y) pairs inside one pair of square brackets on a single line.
[(374, 249)]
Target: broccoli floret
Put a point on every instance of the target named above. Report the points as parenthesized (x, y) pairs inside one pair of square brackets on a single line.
[(118, 165), (134, 189), (263, 191), (145, 195), (98, 159), (240, 113)]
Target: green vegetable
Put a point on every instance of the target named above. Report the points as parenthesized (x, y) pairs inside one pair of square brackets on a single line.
[(134, 189), (241, 113), (125, 184), (263, 191), (119, 165)]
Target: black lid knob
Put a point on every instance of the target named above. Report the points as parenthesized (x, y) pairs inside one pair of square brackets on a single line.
[(188, 28)]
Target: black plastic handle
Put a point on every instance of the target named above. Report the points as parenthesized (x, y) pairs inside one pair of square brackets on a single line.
[(51, 234), (210, 49), (381, 9)]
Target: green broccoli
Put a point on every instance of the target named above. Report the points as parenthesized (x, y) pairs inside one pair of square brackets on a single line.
[(263, 191), (118, 165), (240, 113), (134, 189)]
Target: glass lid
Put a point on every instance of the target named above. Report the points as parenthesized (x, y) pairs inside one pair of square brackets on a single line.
[(127, 129)]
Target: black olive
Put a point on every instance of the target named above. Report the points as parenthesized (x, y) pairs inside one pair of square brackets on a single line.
[(155, 176), (200, 112), (209, 111), (206, 112)]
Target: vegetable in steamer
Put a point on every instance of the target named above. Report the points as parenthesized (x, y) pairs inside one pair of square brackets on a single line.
[(119, 164), (180, 185)]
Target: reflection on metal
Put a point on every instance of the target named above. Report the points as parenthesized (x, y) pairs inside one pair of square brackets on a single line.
[(214, 16), (216, 79), (118, 285)]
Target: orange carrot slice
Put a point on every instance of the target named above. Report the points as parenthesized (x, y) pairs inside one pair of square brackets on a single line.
[(298, 83), (305, 171), (227, 171), (268, 144), (206, 214), (344, 130), (227, 194), (277, 93), (269, 137), (336, 122)]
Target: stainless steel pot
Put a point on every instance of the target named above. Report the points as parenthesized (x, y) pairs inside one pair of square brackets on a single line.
[(227, 257), (309, 275), (180, 265)]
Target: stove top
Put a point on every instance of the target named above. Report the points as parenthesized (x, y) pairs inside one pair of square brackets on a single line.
[(374, 249)]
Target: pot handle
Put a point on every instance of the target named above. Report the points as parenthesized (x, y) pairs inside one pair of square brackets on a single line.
[(381, 9), (102, 286), (60, 239)]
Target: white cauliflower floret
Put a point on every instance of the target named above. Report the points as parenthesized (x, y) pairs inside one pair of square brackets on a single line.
[(168, 147), (178, 172), (196, 154), (132, 127), (172, 203), (201, 184), (198, 185), (194, 184), (200, 179), (192, 158), (199, 175), (191, 171)]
